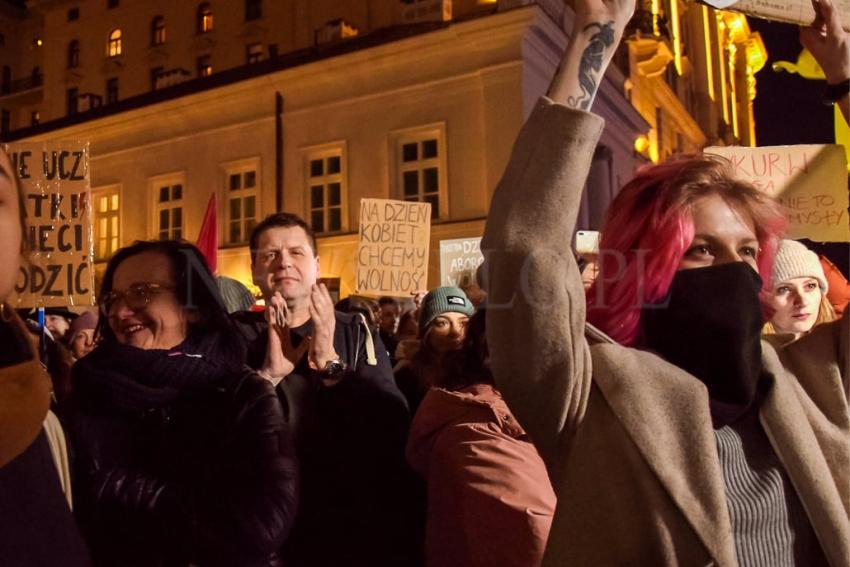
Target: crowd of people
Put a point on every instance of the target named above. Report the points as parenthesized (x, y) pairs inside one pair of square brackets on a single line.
[(682, 402)]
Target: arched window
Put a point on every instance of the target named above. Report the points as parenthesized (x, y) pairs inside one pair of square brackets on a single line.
[(73, 54), (205, 18), (113, 45), (158, 30)]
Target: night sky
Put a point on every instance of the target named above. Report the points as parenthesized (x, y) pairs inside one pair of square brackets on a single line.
[(788, 108)]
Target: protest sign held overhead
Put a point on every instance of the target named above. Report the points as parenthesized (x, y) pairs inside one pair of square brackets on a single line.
[(54, 178), (789, 11), (392, 253), (809, 180), (459, 261)]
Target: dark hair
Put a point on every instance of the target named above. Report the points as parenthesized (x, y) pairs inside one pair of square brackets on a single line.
[(386, 300), (466, 366), (280, 220), (195, 288)]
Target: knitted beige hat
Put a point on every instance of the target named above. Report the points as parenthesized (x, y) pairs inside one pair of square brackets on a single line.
[(794, 260)]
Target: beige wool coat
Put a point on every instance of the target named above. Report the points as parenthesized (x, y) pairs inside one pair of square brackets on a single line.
[(626, 436)]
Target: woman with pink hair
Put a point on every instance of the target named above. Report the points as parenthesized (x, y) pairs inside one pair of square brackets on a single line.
[(672, 434)]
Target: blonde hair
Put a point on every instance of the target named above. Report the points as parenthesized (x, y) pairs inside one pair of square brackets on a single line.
[(826, 314)]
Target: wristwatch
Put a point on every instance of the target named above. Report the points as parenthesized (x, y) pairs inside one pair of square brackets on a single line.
[(333, 369)]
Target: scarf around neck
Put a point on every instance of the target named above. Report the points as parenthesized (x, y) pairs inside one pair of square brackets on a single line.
[(133, 379)]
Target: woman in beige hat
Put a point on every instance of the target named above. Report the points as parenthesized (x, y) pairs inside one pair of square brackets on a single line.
[(797, 297)]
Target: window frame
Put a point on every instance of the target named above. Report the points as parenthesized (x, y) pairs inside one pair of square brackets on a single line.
[(253, 10), (398, 139), (155, 184), (114, 43), (108, 91), (159, 34), (205, 18), (97, 193), (73, 54), (203, 65), (249, 59), (240, 167), (323, 152)]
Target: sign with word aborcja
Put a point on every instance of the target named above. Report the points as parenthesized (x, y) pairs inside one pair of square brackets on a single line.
[(54, 178), (809, 180), (459, 261), (392, 254)]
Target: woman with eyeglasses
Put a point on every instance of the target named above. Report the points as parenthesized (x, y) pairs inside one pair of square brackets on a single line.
[(182, 453)]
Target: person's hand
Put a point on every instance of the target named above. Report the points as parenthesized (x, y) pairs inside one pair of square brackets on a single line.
[(828, 42), (322, 313), (281, 356), (616, 12), (597, 28), (418, 296)]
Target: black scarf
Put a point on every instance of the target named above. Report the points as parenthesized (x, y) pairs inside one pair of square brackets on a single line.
[(138, 380), (710, 325)]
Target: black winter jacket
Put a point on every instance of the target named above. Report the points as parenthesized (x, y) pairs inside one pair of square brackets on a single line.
[(360, 504), (201, 471)]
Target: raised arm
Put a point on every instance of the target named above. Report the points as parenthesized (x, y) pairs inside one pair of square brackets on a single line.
[(830, 45), (536, 306)]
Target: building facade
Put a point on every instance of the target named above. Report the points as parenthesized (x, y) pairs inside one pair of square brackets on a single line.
[(309, 106)]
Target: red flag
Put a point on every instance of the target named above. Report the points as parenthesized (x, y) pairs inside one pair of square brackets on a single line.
[(208, 237)]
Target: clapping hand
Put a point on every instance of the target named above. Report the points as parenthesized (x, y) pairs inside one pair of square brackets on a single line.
[(281, 355)]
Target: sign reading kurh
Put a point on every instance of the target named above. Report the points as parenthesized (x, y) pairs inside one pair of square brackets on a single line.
[(392, 254), (459, 261), (54, 178), (809, 180)]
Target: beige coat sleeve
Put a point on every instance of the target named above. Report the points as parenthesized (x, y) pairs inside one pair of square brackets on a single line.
[(24, 400), (535, 303)]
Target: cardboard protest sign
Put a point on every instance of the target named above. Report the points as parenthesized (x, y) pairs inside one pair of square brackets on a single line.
[(809, 180), (392, 254), (459, 260), (789, 11), (54, 178)]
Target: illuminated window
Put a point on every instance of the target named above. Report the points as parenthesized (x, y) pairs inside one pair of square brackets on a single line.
[(167, 192), (205, 66), (242, 191), (73, 54), (326, 188), (420, 160), (254, 53), (253, 10), (106, 221), (205, 18), (158, 31), (113, 45)]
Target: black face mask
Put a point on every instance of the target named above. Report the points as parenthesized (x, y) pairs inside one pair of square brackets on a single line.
[(710, 325)]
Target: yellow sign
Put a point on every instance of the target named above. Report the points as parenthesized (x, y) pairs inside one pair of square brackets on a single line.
[(392, 254), (809, 180), (54, 178)]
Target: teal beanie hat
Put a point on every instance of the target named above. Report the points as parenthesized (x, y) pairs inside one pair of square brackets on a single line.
[(441, 300)]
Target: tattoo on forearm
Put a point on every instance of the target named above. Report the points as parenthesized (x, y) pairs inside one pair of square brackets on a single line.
[(591, 63)]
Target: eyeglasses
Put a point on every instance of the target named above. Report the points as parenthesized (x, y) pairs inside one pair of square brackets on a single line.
[(137, 297)]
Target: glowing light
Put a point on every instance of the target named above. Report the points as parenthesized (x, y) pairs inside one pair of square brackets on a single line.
[(676, 32), (709, 56), (642, 144)]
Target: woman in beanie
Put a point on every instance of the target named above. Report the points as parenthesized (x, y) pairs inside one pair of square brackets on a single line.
[(443, 317), (797, 296), (490, 501)]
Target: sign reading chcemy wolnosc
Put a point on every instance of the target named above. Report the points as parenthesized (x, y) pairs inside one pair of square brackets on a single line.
[(54, 178), (392, 253), (809, 180)]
